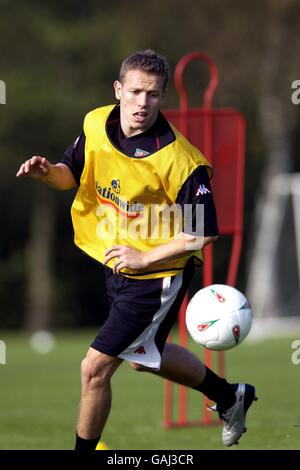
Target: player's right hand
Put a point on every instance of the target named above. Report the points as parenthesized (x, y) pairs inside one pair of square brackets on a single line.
[(36, 167)]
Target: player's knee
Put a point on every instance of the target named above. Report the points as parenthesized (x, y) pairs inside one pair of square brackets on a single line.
[(139, 367), (93, 375), (87, 370)]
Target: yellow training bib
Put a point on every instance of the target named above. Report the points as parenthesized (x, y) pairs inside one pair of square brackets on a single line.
[(131, 201)]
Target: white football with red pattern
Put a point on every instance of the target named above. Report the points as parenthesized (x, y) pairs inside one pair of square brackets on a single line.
[(219, 317)]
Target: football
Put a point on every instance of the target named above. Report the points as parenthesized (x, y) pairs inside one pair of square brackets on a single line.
[(218, 317)]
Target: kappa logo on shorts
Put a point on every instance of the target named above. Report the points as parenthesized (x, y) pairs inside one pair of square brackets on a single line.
[(140, 350)]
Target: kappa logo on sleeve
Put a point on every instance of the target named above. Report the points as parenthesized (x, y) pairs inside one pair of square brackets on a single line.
[(202, 190)]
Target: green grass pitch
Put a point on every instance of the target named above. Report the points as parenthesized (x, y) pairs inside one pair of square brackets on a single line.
[(39, 394)]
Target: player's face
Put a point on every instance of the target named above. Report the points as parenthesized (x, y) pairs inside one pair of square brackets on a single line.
[(141, 95)]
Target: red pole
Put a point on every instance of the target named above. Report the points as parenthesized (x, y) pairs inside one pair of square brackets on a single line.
[(178, 79), (182, 415), (207, 148), (208, 266)]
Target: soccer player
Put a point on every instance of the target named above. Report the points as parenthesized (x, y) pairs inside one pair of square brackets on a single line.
[(135, 173)]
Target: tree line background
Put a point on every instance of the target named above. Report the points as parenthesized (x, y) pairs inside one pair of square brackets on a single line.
[(59, 60)]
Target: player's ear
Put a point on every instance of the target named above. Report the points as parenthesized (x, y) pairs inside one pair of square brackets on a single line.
[(164, 95), (118, 89)]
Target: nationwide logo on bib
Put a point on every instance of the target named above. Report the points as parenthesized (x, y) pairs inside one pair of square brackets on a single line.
[(110, 197), (115, 184)]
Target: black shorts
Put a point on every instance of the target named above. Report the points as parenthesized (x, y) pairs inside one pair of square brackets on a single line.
[(141, 315)]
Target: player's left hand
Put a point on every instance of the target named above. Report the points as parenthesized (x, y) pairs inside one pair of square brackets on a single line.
[(126, 258)]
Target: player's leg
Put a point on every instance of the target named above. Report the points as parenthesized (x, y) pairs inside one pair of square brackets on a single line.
[(131, 313), (177, 365), (181, 366), (96, 371), (232, 400)]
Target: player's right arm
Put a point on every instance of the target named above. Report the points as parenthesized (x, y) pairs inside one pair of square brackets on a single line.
[(58, 175)]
